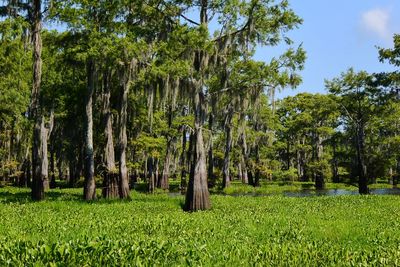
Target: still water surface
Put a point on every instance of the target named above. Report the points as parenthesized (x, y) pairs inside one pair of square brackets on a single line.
[(313, 193), (339, 192)]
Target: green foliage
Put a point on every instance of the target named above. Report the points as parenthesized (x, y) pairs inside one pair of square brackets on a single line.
[(285, 175), (245, 231), (307, 123), (15, 67), (392, 54)]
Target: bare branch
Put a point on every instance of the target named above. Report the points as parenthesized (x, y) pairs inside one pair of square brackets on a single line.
[(189, 20)]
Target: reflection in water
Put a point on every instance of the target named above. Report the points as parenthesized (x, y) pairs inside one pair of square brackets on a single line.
[(313, 193), (339, 192)]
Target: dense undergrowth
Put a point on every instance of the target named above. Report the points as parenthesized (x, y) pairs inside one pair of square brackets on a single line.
[(153, 230)]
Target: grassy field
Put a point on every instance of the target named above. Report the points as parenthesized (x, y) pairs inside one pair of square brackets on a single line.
[(238, 231)]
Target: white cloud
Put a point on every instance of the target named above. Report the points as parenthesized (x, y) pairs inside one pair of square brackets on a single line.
[(377, 22)]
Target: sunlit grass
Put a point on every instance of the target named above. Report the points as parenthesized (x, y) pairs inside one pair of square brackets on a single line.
[(153, 230)]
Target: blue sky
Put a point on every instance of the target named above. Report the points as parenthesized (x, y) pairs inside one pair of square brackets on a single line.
[(339, 34)]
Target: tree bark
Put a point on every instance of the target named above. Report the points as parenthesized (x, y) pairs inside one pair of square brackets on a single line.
[(156, 170), (228, 145), (244, 157), (45, 133), (396, 177), (60, 166), (164, 181), (110, 179), (75, 167), (71, 173), (211, 176), (335, 164), (362, 175), (197, 196), (243, 168), (257, 171), (52, 165), (38, 183), (89, 191), (124, 192), (240, 173), (288, 153), (183, 161), (251, 178), (319, 175), (301, 161), (151, 177)]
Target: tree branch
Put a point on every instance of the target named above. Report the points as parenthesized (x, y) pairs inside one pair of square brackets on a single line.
[(189, 20)]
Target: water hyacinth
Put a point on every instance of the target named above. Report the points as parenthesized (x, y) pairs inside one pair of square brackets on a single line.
[(238, 231)]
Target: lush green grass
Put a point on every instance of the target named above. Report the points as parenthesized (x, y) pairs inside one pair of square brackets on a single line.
[(153, 230)]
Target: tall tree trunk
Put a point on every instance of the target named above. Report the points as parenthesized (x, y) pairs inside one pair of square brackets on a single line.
[(228, 144), (12, 140), (156, 171), (60, 166), (89, 191), (25, 181), (40, 160), (251, 178), (183, 161), (71, 173), (52, 165), (319, 175), (76, 164), (244, 158), (134, 177), (110, 181), (175, 162), (300, 171), (243, 169), (151, 177), (335, 164), (257, 171), (45, 132), (38, 183), (164, 180), (301, 161), (123, 139), (396, 177), (240, 173), (288, 153), (197, 196), (211, 176), (362, 175)]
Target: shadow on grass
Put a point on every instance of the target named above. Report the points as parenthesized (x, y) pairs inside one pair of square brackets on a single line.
[(144, 188), (23, 195), (13, 196), (307, 186)]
